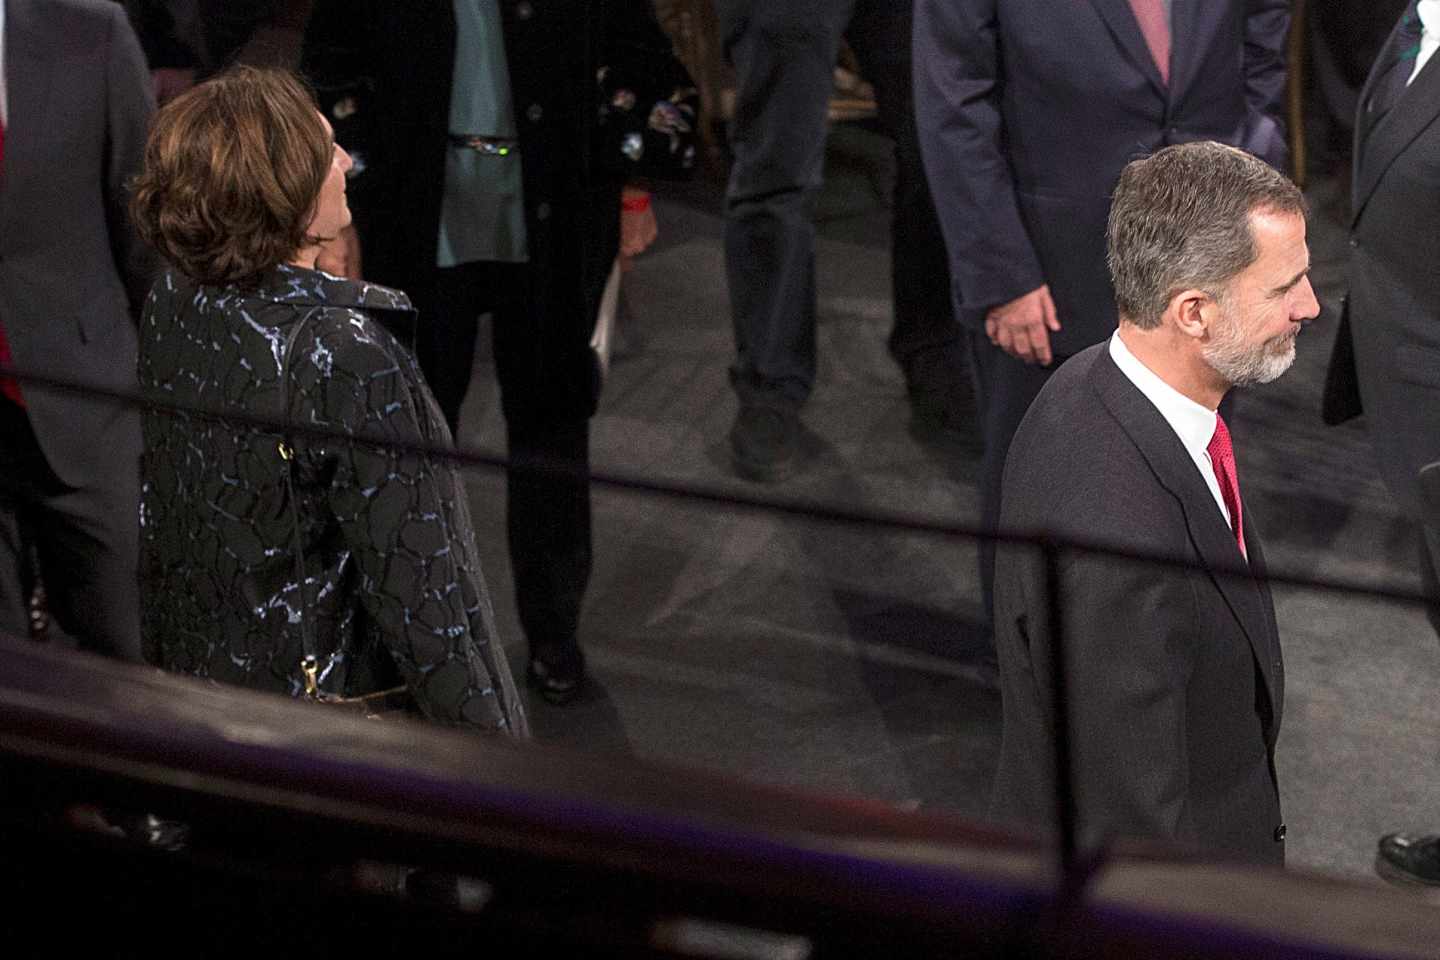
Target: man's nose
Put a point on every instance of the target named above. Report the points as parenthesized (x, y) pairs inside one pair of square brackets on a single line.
[(1307, 307)]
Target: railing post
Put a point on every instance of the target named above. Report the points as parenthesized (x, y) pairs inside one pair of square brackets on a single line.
[(1059, 694)]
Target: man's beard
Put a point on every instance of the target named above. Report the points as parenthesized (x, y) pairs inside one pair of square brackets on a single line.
[(1241, 363)]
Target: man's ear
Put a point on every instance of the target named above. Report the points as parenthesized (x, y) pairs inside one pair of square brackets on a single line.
[(1193, 312)]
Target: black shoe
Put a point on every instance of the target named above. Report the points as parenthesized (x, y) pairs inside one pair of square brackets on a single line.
[(1407, 859), (765, 441), (942, 396), (557, 673)]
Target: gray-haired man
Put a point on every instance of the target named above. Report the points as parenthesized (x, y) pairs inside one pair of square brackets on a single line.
[(1175, 677)]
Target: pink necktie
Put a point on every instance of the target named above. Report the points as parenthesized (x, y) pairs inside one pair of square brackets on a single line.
[(1222, 459), (1155, 25)]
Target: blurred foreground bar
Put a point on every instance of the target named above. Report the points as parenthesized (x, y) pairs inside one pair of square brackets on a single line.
[(300, 816)]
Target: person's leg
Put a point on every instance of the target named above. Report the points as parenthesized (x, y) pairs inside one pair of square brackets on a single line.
[(1006, 387), (89, 549), (784, 57), (87, 540), (548, 385), (449, 315), (21, 458), (926, 340)]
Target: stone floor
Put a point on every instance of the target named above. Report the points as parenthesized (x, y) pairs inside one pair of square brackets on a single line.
[(844, 659)]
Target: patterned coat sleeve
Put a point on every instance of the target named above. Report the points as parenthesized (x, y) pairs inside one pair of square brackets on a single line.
[(402, 513), (648, 103)]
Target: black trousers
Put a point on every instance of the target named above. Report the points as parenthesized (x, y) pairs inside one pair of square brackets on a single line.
[(547, 389), (784, 55), (86, 540)]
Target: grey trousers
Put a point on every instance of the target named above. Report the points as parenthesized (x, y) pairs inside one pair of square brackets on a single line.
[(784, 55)]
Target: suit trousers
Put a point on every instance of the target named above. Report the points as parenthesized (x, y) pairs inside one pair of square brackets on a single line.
[(784, 56), (87, 541), (547, 388)]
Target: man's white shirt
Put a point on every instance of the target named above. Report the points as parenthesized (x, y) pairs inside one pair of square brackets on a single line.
[(1429, 11), (1193, 423)]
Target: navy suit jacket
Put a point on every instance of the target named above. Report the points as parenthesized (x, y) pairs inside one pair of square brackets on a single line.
[(1029, 109)]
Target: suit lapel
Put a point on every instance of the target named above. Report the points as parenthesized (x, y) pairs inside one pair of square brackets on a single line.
[(28, 74), (1379, 140), (1275, 668), (1121, 20), (1209, 533)]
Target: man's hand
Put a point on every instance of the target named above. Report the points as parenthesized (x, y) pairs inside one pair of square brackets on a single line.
[(1022, 327), (341, 256)]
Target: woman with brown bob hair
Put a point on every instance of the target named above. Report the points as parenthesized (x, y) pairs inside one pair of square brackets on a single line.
[(320, 553)]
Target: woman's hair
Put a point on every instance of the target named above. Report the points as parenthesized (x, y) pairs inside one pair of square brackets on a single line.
[(233, 170)]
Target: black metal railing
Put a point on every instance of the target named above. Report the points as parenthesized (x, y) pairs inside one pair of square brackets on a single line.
[(138, 740)]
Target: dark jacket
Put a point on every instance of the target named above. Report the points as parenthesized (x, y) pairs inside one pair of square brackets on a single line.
[(390, 67), (1394, 299), (1029, 109), (72, 273), (1175, 680), (393, 590)]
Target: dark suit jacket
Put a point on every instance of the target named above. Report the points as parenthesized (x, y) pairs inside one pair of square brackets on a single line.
[(1175, 676), (1029, 109), (73, 276), (1394, 299)]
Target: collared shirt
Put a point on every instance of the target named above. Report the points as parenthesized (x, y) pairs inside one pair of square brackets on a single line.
[(482, 215), (1193, 423), (1429, 13)]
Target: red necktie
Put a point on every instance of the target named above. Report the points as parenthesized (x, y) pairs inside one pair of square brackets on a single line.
[(1222, 459), (1155, 25), (8, 388)]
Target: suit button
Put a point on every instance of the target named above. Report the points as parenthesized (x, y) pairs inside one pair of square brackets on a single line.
[(542, 211), (523, 10), (534, 112), (1280, 833), (1354, 243)]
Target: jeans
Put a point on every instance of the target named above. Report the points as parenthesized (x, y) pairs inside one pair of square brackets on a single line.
[(784, 55)]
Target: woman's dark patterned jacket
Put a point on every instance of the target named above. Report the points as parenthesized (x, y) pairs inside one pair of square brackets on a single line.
[(393, 590)]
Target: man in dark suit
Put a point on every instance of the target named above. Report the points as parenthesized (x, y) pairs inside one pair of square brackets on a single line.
[(485, 182), (1393, 307), (75, 105), (1394, 301), (1027, 111), (1174, 672)]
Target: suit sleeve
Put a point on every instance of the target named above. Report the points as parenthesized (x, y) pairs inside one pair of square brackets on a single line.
[(401, 514), (648, 102), (1267, 25), (1129, 632), (1128, 638), (130, 106), (957, 74)]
